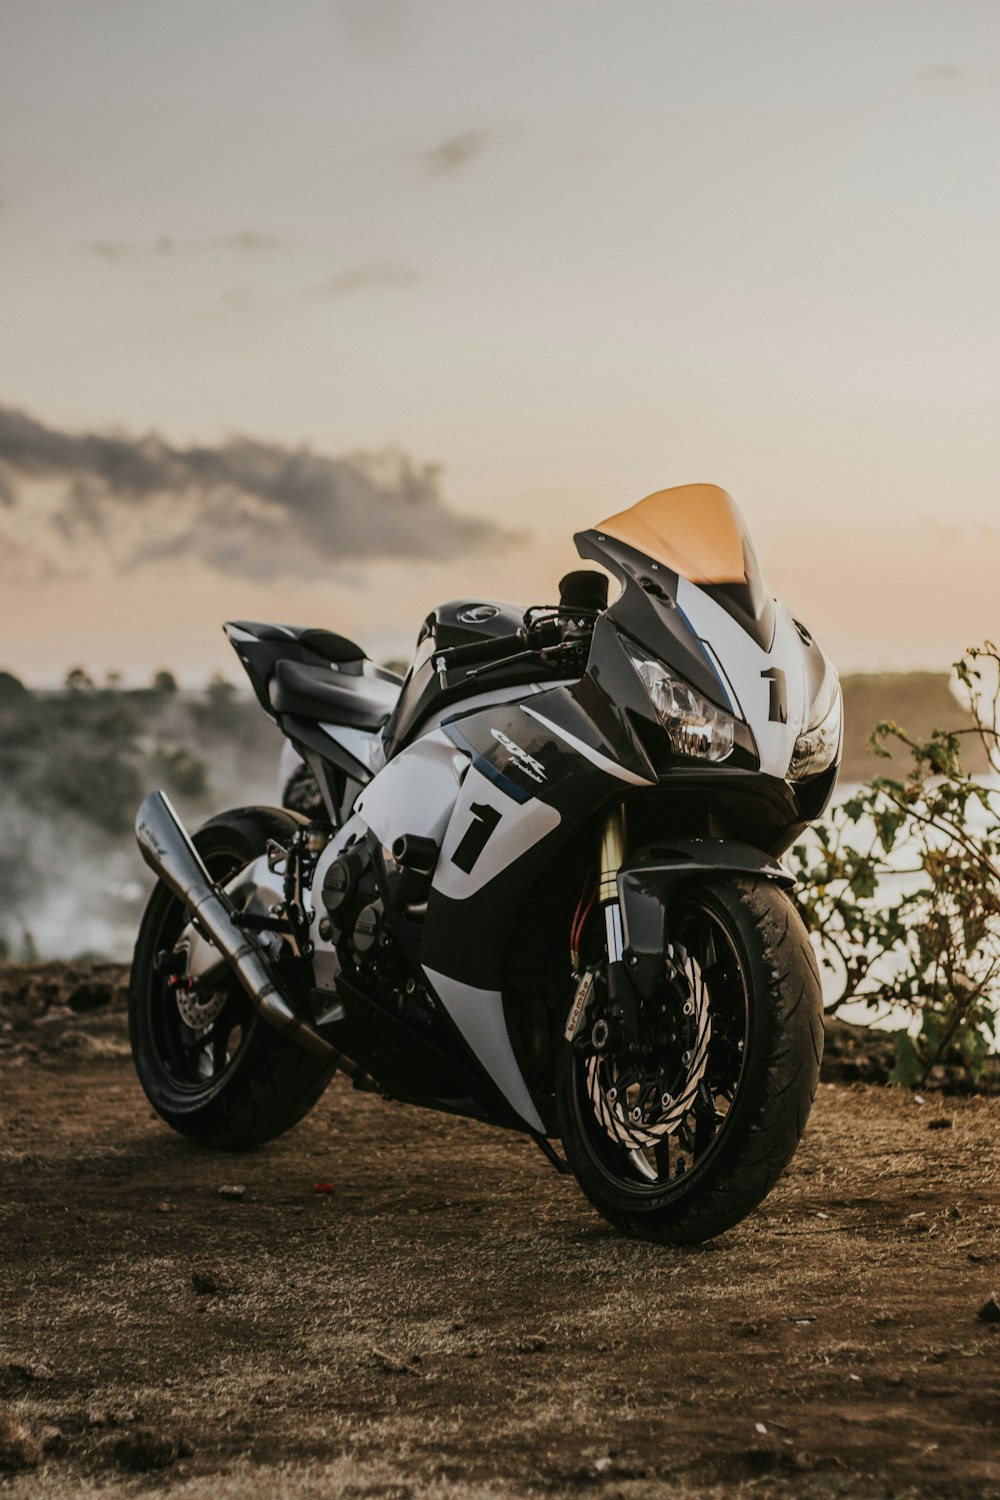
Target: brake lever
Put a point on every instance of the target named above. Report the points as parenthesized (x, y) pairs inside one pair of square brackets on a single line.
[(542, 654)]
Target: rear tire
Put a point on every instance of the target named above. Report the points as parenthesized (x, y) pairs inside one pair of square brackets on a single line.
[(758, 962), (237, 1082)]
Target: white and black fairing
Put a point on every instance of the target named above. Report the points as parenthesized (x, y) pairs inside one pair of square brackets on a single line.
[(460, 624), (468, 818), (782, 671), (335, 706)]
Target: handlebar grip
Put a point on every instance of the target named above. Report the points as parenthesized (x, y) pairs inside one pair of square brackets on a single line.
[(493, 648)]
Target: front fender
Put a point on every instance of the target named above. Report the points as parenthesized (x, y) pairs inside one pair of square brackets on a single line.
[(648, 880)]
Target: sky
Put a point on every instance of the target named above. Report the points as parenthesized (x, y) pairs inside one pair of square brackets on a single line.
[(327, 310)]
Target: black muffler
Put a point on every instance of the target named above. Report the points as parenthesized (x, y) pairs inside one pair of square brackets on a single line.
[(167, 848)]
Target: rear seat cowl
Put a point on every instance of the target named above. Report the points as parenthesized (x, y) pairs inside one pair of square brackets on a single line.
[(325, 644), (309, 692), (331, 647)]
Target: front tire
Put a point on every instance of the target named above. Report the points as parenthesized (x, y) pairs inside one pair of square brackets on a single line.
[(234, 1081), (750, 1024)]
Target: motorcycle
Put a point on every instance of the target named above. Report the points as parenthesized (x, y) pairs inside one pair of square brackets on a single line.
[(543, 886)]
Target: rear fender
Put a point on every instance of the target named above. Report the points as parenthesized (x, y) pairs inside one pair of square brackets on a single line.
[(648, 881)]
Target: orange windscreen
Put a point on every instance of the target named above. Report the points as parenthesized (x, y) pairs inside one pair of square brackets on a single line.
[(694, 530)]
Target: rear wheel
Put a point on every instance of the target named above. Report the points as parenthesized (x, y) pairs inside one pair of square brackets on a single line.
[(211, 1067), (684, 1139)]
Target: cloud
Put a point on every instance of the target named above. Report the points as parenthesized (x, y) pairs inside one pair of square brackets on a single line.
[(373, 275), (21, 563), (245, 508), (456, 152), (248, 239), (374, 30), (236, 302), (108, 249), (244, 241), (943, 72)]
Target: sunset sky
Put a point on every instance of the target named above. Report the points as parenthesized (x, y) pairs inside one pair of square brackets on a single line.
[(535, 259)]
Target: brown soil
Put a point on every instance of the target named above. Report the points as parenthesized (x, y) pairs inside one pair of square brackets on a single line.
[(453, 1319)]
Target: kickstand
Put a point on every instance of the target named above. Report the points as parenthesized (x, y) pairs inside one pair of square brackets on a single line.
[(552, 1155)]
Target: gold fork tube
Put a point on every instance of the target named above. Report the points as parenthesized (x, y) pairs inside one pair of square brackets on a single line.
[(612, 854)]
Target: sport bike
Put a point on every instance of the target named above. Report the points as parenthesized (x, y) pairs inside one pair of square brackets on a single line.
[(543, 889)]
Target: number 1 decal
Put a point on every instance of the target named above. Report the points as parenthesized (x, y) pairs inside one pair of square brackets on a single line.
[(778, 693), (476, 836)]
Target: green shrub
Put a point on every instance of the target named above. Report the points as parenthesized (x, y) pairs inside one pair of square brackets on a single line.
[(901, 887), (179, 770), (12, 690), (102, 785)]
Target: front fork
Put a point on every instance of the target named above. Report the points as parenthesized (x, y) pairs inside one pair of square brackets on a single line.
[(612, 859), (607, 899), (623, 1002)]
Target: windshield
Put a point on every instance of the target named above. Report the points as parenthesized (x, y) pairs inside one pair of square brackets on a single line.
[(696, 532)]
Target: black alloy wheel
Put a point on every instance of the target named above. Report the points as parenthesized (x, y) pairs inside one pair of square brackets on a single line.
[(684, 1138), (211, 1067)]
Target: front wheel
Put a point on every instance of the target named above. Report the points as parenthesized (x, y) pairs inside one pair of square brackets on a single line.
[(682, 1140)]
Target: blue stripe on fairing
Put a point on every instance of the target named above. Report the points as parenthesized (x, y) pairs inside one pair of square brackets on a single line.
[(711, 663), (484, 766)]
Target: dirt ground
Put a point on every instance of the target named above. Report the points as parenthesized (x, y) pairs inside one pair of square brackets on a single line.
[(453, 1319)]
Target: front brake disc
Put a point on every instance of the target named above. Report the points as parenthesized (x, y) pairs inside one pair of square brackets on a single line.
[(637, 1111)]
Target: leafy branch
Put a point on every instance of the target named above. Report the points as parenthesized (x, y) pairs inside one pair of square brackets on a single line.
[(900, 886)]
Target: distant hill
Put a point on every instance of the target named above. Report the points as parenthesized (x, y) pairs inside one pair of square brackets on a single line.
[(918, 702)]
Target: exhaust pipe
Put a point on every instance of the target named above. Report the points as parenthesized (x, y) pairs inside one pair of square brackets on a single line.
[(167, 848)]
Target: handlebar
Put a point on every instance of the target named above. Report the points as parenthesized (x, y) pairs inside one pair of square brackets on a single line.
[(494, 648)]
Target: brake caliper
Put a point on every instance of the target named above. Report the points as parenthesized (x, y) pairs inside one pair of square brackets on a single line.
[(642, 1091)]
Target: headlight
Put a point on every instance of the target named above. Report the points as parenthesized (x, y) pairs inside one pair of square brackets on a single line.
[(694, 726), (816, 749)]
